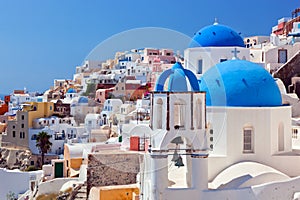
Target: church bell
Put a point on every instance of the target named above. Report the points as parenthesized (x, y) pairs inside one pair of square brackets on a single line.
[(178, 162)]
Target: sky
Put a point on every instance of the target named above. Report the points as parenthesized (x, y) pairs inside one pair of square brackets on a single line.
[(45, 40)]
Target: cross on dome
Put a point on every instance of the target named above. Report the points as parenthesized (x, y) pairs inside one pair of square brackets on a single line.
[(235, 52), (216, 21)]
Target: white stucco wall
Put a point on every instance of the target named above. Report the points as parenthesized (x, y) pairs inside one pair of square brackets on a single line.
[(16, 181), (52, 186), (210, 56), (265, 122), (272, 55), (57, 145), (276, 190)]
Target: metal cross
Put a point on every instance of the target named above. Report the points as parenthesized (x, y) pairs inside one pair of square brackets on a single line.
[(235, 52)]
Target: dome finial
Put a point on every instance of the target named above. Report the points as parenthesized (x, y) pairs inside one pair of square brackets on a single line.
[(216, 21)]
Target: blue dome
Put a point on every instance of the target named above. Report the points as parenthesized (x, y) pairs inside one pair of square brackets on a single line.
[(178, 79), (216, 36), (71, 90), (240, 83), (83, 100)]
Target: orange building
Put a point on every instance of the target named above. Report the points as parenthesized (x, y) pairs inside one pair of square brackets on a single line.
[(134, 90), (4, 106)]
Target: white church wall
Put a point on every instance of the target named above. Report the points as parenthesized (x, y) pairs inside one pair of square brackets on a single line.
[(240, 118), (193, 55), (281, 122), (211, 56), (218, 53), (257, 55), (265, 137), (216, 120), (274, 190), (243, 193)]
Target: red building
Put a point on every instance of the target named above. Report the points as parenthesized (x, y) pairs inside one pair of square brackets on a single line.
[(4, 106)]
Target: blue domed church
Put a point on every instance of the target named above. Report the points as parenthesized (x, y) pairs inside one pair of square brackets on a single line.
[(247, 138), (211, 45)]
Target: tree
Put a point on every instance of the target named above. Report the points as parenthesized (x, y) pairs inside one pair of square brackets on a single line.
[(90, 90), (43, 143), (11, 196)]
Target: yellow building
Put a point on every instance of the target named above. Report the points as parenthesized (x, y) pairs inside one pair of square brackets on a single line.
[(38, 110), (74, 159), (17, 128), (116, 192)]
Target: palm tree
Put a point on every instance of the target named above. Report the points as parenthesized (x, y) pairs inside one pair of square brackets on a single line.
[(43, 143)]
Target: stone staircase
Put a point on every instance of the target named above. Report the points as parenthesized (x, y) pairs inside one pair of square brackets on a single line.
[(288, 70), (79, 193)]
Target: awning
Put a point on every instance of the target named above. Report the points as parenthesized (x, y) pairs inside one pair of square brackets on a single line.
[(74, 172)]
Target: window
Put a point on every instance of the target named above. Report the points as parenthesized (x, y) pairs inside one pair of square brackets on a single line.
[(14, 133), (281, 137), (21, 135), (248, 140), (33, 137), (22, 117), (295, 133), (51, 106), (282, 56), (22, 125), (13, 127), (223, 60), (199, 69)]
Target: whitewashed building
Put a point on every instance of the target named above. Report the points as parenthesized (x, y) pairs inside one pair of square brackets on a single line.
[(211, 45), (111, 106), (241, 145)]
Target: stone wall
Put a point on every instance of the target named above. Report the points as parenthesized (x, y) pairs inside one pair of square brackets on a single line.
[(113, 168), (14, 158)]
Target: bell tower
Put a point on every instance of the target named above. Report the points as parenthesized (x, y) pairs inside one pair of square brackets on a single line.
[(178, 117)]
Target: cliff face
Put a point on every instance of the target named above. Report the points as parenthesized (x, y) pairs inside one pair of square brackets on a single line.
[(14, 158), (119, 168), (288, 70)]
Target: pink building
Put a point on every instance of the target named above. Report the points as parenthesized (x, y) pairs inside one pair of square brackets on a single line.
[(102, 94), (165, 56)]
